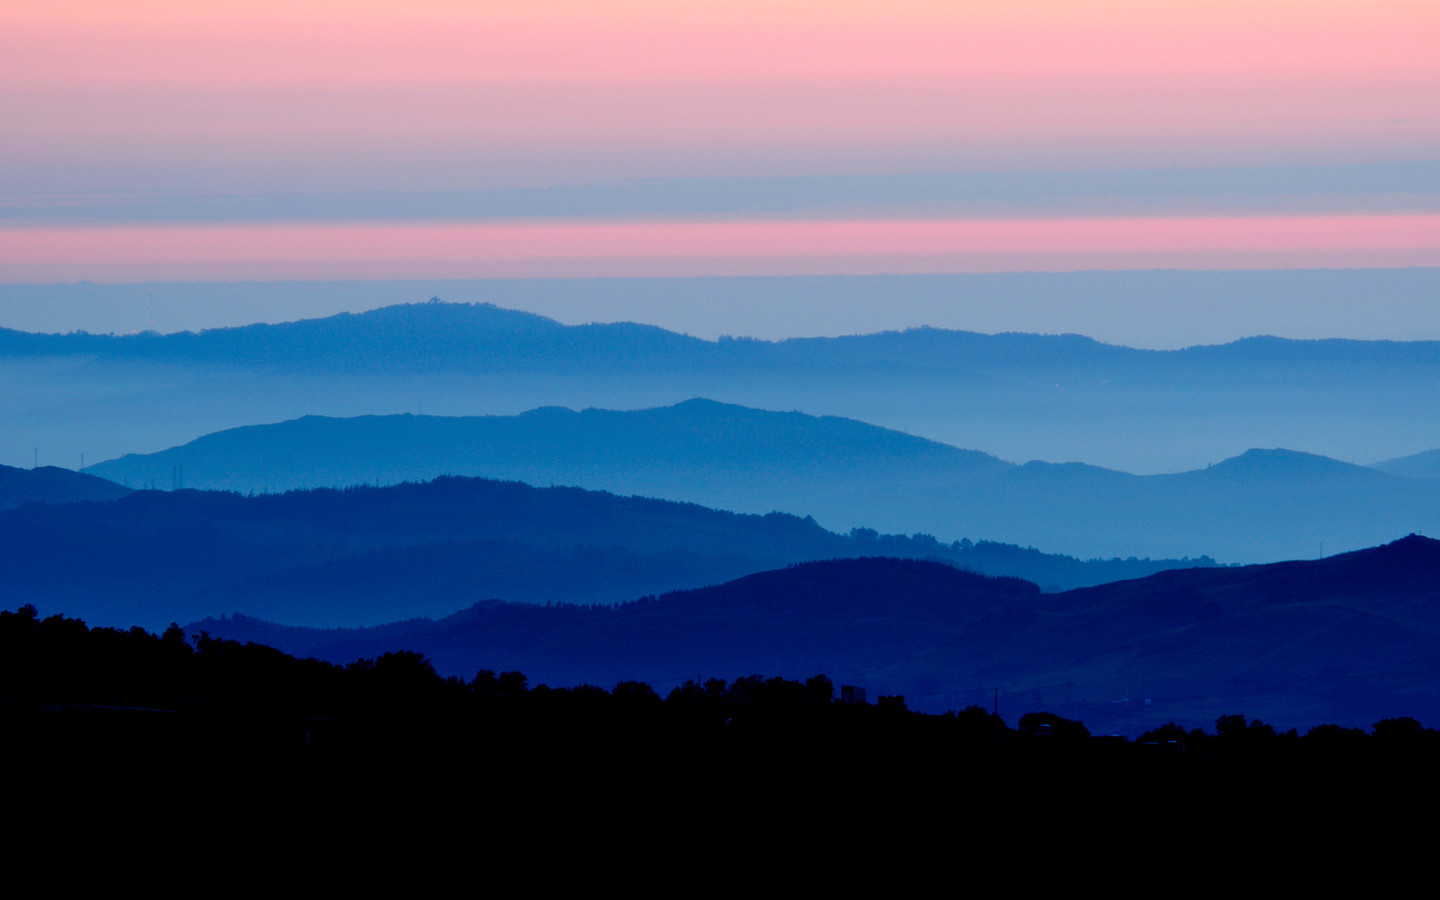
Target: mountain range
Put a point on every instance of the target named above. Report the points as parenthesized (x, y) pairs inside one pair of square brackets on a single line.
[(1262, 506), (1053, 397), (460, 337), (547, 578), (371, 555), (1347, 640)]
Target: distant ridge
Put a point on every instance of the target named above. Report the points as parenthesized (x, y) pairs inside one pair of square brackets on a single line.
[(1263, 505), (410, 337), (481, 337), (1425, 464), (49, 484), (370, 555), (1020, 396), (695, 442), (1348, 639)]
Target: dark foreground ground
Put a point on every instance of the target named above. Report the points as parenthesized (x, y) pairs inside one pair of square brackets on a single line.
[(125, 742)]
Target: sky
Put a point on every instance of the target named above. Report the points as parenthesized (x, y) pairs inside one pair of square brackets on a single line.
[(319, 140)]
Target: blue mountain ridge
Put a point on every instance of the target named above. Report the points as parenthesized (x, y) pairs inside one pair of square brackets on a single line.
[(1263, 505)]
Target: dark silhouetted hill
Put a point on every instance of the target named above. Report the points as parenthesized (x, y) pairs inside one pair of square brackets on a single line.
[(1348, 639), (369, 555)]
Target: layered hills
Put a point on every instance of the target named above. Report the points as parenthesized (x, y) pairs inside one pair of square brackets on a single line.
[(547, 578), (1264, 505), (370, 555), (1349, 639), (1019, 396)]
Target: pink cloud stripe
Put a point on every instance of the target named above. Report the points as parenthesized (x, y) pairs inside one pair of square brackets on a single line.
[(450, 249)]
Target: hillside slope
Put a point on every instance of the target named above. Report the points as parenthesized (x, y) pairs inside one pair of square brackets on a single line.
[(371, 555), (1350, 639), (1262, 506)]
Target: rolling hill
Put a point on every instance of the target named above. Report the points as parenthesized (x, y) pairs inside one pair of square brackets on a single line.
[(49, 484), (1262, 506), (1350, 639), (1425, 464), (1020, 396), (370, 555)]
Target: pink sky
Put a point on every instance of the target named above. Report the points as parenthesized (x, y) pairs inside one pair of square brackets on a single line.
[(156, 96), (468, 250), (90, 92)]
